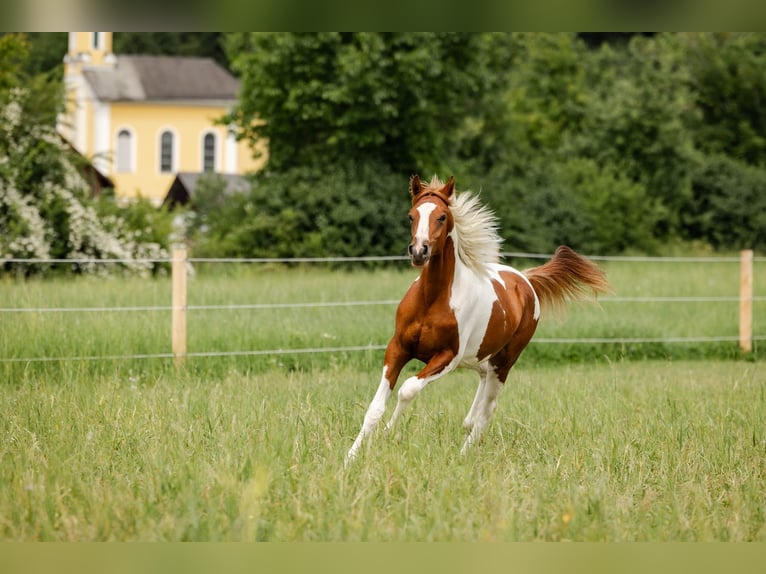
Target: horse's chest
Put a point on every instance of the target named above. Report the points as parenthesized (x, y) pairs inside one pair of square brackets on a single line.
[(458, 324), (434, 332)]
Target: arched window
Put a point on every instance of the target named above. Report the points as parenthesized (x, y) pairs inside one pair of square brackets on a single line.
[(208, 152), (167, 143), (124, 151)]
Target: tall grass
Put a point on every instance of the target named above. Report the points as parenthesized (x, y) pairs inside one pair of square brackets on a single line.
[(623, 451)]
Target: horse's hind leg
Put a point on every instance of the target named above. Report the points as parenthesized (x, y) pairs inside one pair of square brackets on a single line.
[(483, 408), (469, 418), (497, 372)]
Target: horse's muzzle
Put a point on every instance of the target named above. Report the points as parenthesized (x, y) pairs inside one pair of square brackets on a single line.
[(419, 254)]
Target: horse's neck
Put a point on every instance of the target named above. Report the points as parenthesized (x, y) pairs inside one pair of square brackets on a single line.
[(439, 275)]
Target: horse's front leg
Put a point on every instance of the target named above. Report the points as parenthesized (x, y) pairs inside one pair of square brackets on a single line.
[(394, 360), (439, 365)]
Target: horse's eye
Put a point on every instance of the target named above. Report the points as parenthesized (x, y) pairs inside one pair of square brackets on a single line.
[(411, 219), (442, 219)]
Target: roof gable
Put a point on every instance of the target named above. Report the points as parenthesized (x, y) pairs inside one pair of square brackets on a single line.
[(138, 78)]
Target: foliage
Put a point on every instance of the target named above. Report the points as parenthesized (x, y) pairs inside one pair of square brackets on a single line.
[(45, 211), (328, 98), (609, 142), (728, 204), (728, 83), (636, 121), (303, 212)]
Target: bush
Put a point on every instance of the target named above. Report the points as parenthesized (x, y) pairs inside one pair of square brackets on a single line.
[(45, 208), (728, 204), (352, 210), (574, 202)]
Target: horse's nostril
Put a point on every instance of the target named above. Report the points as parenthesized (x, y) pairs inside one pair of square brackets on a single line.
[(410, 249)]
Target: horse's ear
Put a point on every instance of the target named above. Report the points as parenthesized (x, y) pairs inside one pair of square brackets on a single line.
[(415, 186), (449, 188)]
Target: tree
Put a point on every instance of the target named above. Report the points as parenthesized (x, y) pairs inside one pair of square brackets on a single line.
[(727, 80), (333, 98)]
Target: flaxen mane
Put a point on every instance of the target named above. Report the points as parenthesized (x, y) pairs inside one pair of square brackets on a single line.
[(478, 242)]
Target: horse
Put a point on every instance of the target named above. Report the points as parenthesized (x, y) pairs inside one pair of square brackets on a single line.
[(466, 309)]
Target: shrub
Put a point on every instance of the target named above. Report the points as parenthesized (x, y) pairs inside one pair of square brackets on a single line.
[(728, 204), (45, 209), (350, 210)]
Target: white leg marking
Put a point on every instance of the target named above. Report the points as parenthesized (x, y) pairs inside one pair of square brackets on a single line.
[(484, 409), (372, 416), (469, 418)]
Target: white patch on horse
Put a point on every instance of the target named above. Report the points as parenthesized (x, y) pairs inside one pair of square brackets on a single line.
[(494, 271), (471, 300), (524, 277), (421, 234)]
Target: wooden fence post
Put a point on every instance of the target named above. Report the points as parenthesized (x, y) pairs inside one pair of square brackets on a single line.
[(746, 300), (178, 274)]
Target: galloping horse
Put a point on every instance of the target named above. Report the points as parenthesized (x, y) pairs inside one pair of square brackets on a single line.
[(466, 309)]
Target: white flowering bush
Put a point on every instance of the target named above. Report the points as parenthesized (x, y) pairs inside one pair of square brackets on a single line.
[(45, 208)]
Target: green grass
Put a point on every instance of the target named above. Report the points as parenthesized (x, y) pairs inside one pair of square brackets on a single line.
[(585, 444), (120, 333), (627, 451)]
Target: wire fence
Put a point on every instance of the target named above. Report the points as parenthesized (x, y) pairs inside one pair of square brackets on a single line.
[(745, 299)]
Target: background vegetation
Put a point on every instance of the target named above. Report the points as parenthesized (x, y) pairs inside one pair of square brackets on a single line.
[(610, 143), (46, 210)]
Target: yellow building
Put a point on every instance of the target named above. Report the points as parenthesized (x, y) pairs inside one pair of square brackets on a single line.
[(143, 119)]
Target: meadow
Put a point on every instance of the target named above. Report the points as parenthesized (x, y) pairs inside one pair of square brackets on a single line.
[(597, 442)]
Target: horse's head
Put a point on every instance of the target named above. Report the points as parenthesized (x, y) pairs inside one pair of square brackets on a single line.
[(430, 218)]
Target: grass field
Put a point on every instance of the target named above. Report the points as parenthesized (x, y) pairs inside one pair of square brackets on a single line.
[(594, 442), (628, 451)]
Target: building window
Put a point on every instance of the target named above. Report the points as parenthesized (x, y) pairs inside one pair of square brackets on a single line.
[(124, 151), (166, 152), (208, 152), (96, 40)]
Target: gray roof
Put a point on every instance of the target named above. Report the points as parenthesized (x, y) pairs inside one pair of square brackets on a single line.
[(140, 78)]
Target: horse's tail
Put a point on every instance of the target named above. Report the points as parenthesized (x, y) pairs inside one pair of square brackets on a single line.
[(566, 277)]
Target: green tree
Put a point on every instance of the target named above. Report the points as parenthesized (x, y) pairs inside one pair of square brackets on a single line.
[(727, 80), (727, 208), (330, 98), (636, 121)]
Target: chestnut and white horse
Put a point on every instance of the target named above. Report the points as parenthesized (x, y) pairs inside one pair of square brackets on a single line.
[(466, 309)]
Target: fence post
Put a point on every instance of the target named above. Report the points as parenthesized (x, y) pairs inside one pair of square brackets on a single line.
[(178, 273), (746, 300)]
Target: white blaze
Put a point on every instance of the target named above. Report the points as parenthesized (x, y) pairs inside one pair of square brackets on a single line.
[(421, 234)]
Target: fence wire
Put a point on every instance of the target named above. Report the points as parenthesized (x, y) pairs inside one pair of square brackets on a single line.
[(325, 304)]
